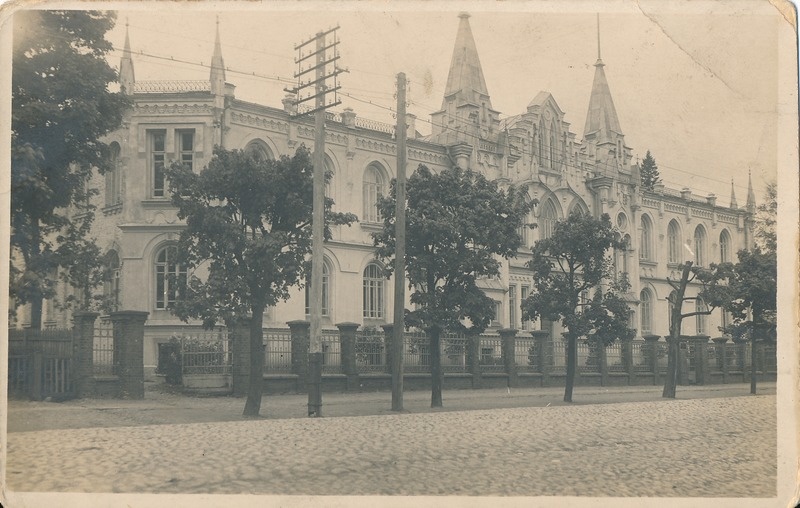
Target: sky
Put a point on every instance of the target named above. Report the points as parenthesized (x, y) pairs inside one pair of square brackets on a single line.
[(697, 87)]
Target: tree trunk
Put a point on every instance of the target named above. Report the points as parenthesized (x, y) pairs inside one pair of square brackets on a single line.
[(256, 387), (753, 362), (676, 319), (671, 379), (436, 367), (572, 366), (36, 311)]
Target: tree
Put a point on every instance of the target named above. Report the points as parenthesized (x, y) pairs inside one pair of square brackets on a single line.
[(565, 267), (61, 107), (457, 222), (248, 225), (649, 172), (766, 220), (748, 290)]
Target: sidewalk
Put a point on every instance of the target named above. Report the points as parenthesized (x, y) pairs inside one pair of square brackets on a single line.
[(161, 407)]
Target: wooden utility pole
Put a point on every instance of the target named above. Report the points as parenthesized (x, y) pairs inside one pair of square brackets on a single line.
[(400, 249), (322, 58)]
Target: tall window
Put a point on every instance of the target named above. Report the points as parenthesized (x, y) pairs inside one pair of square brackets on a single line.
[(646, 240), (170, 277), (547, 220), (157, 161), (700, 246), (541, 135), (113, 176), (259, 150), (111, 282), (700, 306), (512, 306), (524, 230), (373, 292), (674, 242), (724, 246), (552, 145), (646, 311), (523, 295), (326, 283), (373, 187), (186, 148), (496, 312)]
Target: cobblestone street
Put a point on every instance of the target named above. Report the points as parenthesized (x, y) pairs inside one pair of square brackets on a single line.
[(705, 447)]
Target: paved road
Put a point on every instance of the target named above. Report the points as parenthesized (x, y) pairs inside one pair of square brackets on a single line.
[(724, 446)]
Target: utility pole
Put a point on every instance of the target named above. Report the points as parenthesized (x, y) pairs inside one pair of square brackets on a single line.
[(318, 60), (400, 249)]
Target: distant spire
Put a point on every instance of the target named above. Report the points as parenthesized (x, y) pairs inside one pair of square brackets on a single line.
[(734, 204), (126, 75), (466, 75), (217, 66), (751, 196), (601, 120)]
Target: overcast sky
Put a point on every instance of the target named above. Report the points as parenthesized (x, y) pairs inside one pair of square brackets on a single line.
[(697, 89)]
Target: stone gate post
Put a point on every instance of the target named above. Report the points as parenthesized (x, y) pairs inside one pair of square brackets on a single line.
[(83, 352), (129, 342)]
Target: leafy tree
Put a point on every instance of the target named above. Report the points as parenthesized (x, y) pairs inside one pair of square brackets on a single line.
[(649, 172), (457, 222), (248, 225), (565, 266), (766, 220), (61, 107), (748, 290)]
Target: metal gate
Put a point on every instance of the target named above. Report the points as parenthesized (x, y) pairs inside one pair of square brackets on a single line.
[(40, 364)]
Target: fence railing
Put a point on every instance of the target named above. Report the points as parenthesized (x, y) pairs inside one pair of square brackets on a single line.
[(277, 351), (205, 353), (370, 351), (104, 359)]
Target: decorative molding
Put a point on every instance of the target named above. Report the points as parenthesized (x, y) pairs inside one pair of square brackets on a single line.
[(260, 121), (173, 109), (376, 146)]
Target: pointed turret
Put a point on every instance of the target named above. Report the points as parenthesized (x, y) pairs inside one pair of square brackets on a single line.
[(126, 77), (602, 125), (751, 196), (734, 204), (217, 67), (466, 106)]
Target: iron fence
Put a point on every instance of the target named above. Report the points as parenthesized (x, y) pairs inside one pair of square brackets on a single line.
[(491, 353), (416, 352), (370, 351), (277, 351), (558, 356), (614, 357), (205, 352), (453, 349), (104, 358), (331, 352), (641, 352), (525, 354)]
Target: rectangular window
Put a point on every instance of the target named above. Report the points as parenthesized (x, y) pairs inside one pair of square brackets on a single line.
[(186, 148), (157, 161), (512, 306), (523, 295)]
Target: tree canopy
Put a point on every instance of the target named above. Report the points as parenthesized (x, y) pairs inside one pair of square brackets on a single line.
[(567, 267), (247, 239), (457, 223), (61, 109), (649, 172)]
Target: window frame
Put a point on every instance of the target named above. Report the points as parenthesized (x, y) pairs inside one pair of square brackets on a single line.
[(674, 255), (157, 159), (373, 303), (164, 270), (371, 191)]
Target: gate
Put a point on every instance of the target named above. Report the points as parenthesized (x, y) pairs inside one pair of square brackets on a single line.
[(40, 364)]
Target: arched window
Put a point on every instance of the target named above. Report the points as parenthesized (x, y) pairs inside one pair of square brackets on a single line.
[(552, 145), (646, 239), (326, 285), (373, 185), (170, 277), (671, 305), (373, 304), (674, 243), (547, 219), (541, 136), (259, 151), (113, 177), (524, 230), (621, 255), (646, 311), (111, 281), (724, 246), (700, 246), (700, 306)]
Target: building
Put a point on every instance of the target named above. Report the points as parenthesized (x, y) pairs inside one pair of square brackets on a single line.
[(183, 120)]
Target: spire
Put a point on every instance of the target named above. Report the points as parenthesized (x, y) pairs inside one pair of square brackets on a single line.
[(601, 120), (466, 106), (751, 196), (734, 204), (126, 76), (217, 67)]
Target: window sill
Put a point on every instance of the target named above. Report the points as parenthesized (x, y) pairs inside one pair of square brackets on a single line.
[(112, 209), (647, 262), (372, 226), (157, 203)]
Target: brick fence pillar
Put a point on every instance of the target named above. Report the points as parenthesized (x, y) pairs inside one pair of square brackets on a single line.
[(700, 358), (508, 337), (720, 348), (83, 352), (603, 359), (627, 359), (300, 331), (239, 334), (651, 345), (544, 354), (474, 358), (129, 342), (388, 340), (347, 348)]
